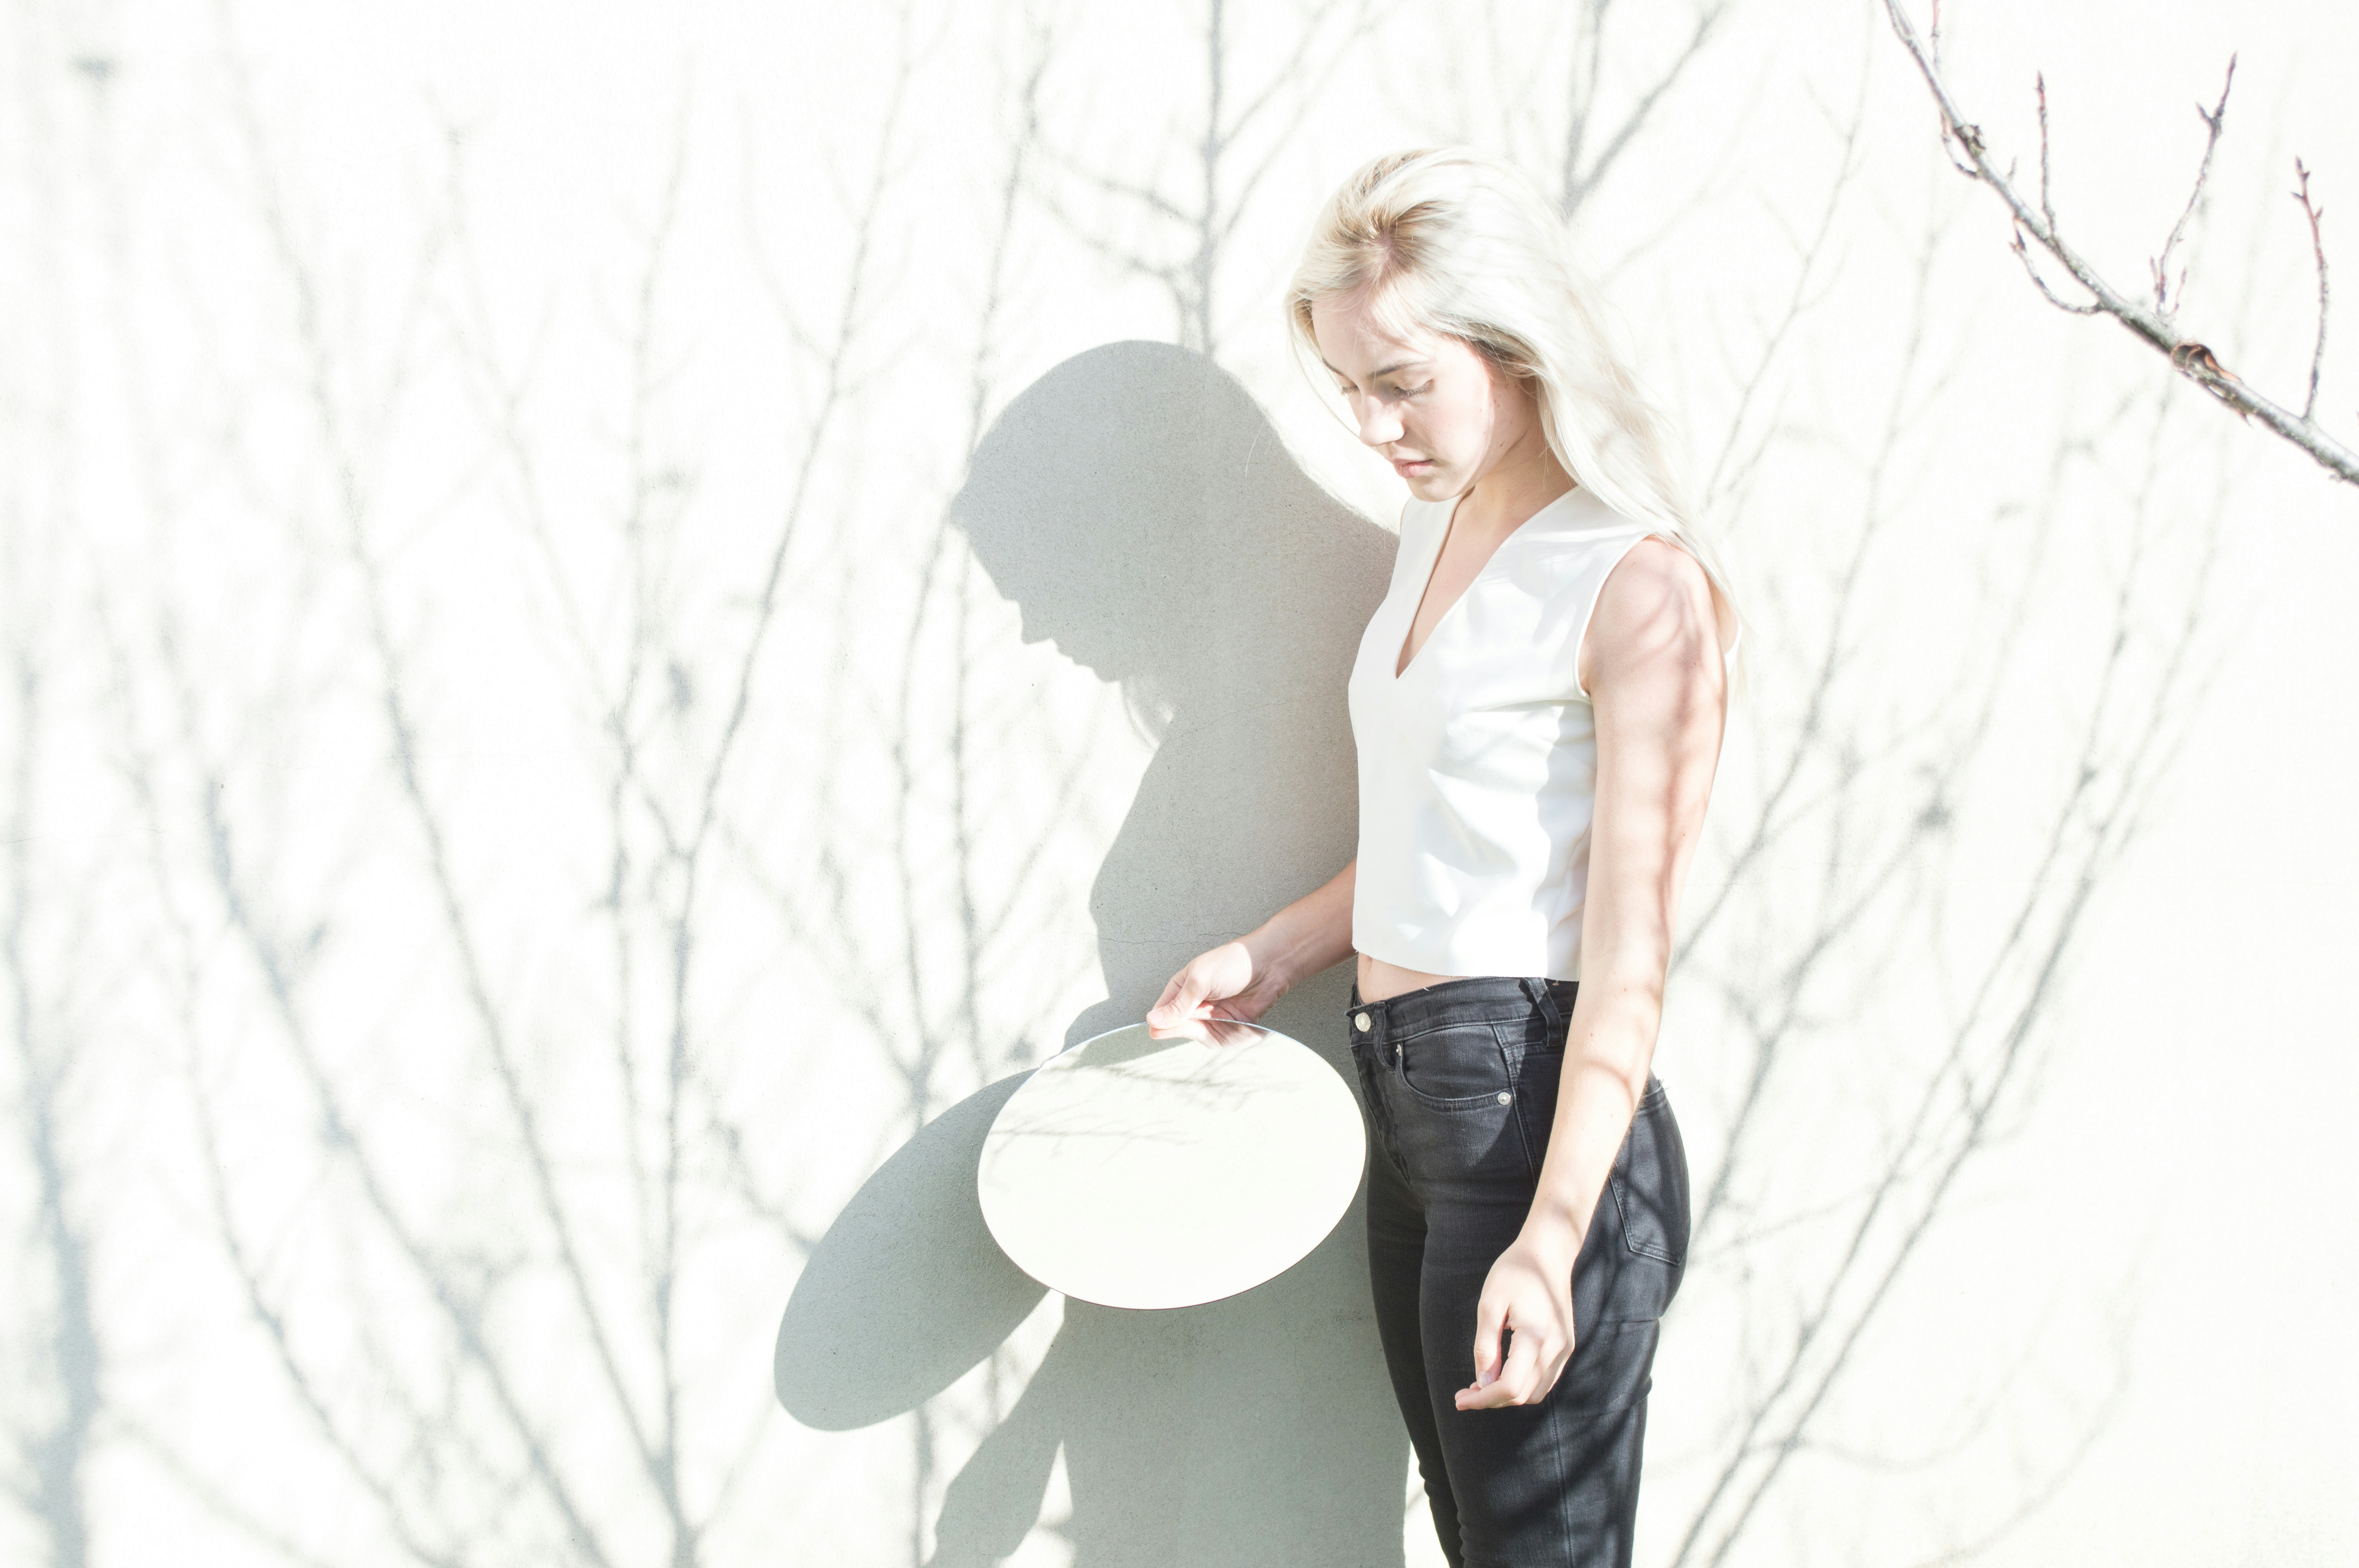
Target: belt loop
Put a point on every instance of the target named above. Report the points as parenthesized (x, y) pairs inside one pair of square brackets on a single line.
[(1537, 988)]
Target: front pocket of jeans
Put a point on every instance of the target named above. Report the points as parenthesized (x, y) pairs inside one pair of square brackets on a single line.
[(1461, 1067), (1452, 1108)]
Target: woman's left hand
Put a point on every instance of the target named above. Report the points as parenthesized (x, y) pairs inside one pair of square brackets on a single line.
[(1529, 1290)]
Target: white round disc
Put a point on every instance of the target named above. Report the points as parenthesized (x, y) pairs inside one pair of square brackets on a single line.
[(1141, 1172)]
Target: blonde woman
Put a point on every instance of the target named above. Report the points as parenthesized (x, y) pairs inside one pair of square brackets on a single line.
[(1537, 705)]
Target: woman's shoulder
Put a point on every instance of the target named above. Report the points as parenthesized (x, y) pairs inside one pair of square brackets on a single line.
[(1655, 573), (1658, 597)]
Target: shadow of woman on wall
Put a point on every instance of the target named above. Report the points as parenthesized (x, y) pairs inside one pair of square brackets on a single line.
[(1138, 507)]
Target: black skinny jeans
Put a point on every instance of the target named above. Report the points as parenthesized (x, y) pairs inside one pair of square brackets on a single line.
[(1458, 1082)]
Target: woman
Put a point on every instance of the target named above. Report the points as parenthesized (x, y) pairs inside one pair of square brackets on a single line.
[(1537, 705)]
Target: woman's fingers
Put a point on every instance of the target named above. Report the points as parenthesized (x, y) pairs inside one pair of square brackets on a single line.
[(1182, 1000), (1490, 1317), (1163, 1007), (1521, 1376), (1536, 1357), (1525, 1380), (1179, 1010), (1208, 978)]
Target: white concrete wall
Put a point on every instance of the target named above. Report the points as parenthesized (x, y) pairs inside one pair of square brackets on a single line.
[(616, 621)]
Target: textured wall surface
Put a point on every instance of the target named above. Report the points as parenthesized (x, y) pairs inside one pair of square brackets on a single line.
[(613, 621)]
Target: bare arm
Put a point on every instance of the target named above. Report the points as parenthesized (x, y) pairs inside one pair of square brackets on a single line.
[(1243, 977), (1653, 668), (1656, 682), (1309, 936)]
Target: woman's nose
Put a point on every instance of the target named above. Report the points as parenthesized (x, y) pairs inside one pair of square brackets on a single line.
[(1378, 426)]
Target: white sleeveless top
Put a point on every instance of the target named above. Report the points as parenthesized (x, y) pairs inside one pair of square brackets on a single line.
[(1478, 764)]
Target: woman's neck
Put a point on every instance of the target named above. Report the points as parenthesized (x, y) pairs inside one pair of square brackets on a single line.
[(1526, 478)]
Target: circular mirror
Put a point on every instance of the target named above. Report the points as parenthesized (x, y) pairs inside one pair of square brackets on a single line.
[(1135, 1172)]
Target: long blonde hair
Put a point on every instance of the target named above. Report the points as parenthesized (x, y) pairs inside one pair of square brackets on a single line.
[(1457, 241)]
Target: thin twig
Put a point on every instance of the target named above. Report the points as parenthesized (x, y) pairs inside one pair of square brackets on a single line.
[(2189, 358)]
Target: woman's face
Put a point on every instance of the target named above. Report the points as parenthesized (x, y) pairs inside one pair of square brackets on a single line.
[(1431, 405)]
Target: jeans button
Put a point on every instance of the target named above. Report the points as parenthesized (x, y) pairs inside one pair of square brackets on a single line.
[(1505, 1096), (1361, 1020)]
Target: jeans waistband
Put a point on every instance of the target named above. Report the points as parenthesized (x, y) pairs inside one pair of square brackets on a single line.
[(1472, 999)]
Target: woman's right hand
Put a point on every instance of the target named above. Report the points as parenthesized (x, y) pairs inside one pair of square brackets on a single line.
[(1219, 983)]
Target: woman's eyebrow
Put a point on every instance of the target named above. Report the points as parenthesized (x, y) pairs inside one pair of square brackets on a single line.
[(1381, 370)]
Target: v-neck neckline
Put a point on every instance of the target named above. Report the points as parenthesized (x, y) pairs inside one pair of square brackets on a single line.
[(1402, 667)]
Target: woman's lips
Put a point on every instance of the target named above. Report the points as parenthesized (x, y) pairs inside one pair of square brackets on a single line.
[(1409, 465)]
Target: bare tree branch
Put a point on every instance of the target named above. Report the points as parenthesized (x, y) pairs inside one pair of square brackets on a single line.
[(1576, 182), (1207, 218), (2153, 325), (2317, 250)]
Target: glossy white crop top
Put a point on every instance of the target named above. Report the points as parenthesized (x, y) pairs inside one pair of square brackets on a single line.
[(1478, 764)]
